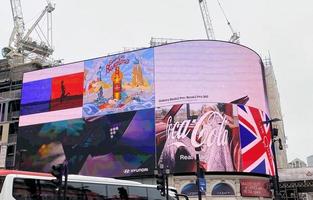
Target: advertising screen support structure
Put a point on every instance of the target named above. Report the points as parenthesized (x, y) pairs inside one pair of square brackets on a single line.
[(276, 177), (198, 173)]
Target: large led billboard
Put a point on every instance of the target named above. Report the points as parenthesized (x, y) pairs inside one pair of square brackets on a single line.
[(113, 115), (227, 137)]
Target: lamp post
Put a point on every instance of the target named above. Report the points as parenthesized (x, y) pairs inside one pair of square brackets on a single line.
[(198, 173), (276, 177)]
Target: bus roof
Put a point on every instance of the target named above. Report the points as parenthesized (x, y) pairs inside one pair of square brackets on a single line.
[(5, 172), (71, 177)]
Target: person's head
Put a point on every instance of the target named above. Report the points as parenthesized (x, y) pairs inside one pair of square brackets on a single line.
[(123, 193), (207, 108)]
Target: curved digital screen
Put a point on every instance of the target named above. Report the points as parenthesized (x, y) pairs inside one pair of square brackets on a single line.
[(227, 138), (128, 111)]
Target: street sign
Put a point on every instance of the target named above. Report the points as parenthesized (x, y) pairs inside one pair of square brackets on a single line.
[(202, 184)]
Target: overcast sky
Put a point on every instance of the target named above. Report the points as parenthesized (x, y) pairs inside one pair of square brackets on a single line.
[(282, 29)]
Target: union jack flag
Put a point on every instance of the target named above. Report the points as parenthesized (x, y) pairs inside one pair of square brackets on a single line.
[(256, 142)]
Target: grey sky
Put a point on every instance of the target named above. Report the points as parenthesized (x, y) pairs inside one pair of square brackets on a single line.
[(282, 28)]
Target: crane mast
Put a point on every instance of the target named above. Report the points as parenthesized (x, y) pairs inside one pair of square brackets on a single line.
[(207, 20), (19, 27)]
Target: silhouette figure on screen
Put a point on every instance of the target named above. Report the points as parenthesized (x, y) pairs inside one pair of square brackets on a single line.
[(63, 92)]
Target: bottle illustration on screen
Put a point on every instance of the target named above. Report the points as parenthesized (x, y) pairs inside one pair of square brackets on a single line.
[(117, 83)]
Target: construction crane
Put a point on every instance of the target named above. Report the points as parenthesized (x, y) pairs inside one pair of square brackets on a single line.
[(20, 42), (208, 23), (235, 36), (207, 20)]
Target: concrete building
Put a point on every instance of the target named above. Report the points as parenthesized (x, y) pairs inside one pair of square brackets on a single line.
[(310, 161), (275, 112), (296, 163), (296, 183)]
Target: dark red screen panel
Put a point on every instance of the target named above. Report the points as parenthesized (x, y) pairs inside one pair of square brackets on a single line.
[(67, 91)]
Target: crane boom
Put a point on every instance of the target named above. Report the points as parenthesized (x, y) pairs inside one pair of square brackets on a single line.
[(235, 36), (20, 42), (48, 9), (207, 20)]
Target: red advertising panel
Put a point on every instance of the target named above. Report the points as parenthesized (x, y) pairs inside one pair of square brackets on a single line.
[(255, 188)]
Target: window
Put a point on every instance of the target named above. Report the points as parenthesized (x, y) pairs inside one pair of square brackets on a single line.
[(95, 191), (13, 128), (2, 111), (10, 150), (1, 182), (154, 194), (14, 106), (222, 189), (76, 191), (1, 129), (113, 192), (32, 189), (137, 193)]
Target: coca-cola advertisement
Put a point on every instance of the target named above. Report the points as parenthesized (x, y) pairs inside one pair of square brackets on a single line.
[(209, 129)]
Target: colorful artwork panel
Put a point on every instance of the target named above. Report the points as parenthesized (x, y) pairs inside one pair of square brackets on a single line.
[(119, 83), (124, 141), (45, 143), (133, 154), (52, 94)]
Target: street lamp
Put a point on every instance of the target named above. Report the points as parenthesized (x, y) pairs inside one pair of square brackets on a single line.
[(198, 172), (274, 134)]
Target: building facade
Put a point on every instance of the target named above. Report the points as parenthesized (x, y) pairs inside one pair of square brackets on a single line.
[(275, 112), (310, 161), (11, 76), (297, 163)]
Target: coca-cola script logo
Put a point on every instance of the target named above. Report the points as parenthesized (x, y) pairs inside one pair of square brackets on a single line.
[(209, 129), (115, 63)]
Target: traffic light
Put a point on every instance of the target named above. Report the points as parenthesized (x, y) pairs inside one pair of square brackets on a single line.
[(161, 183), (57, 172), (275, 132), (201, 172)]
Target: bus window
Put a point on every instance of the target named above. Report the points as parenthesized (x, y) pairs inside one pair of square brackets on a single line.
[(154, 194), (114, 191), (33, 189), (76, 191), (139, 193), (95, 191)]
